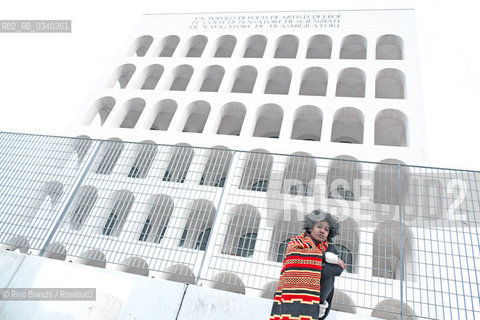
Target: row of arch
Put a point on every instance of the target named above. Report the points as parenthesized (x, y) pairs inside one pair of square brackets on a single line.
[(390, 83), (241, 223), (343, 174), (96, 258), (391, 125), (299, 178), (354, 46), (179, 272)]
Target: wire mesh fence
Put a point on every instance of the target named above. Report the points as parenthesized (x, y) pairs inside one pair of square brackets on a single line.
[(223, 218)]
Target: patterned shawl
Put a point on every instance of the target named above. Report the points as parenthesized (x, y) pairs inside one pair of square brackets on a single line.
[(298, 293)]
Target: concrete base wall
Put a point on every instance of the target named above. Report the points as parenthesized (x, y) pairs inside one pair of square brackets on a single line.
[(119, 295)]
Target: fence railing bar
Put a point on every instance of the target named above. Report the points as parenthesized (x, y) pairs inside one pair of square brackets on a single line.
[(216, 219)]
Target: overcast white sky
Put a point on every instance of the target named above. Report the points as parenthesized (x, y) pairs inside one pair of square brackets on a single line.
[(45, 78)]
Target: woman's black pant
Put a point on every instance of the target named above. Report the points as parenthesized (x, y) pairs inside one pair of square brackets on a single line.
[(327, 282), (326, 287)]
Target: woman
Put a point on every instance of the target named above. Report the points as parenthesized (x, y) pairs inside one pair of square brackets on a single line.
[(305, 288)]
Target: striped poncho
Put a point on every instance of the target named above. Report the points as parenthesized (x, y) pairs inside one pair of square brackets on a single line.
[(298, 293)]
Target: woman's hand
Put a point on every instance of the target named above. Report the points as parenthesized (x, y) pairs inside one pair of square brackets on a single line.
[(341, 264)]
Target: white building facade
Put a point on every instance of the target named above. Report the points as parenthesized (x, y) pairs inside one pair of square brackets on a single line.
[(295, 77)]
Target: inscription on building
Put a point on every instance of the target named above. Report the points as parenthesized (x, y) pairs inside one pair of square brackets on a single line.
[(267, 21)]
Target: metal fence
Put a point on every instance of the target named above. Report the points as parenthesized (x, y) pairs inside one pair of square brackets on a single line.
[(222, 218)]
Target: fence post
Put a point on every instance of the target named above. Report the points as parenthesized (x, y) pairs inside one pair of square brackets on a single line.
[(216, 222), (70, 200), (401, 198)]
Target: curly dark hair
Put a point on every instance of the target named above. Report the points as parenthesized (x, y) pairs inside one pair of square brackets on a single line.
[(319, 215)]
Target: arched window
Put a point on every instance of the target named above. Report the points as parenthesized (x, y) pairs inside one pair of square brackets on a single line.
[(232, 115), (300, 171), (134, 109), (101, 110), (343, 176), (288, 224), (165, 110), (245, 78), (141, 46), (391, 182), (225, 46), (347, 243), (168, 46), (151, 76), (257, 170), (354, 46), (348, 126), (159, 213), (307, 124), (83, 205), (179, 163), (389, 47), (198, 115), (198, 225), (314, 82), (119, 206), (287, 46), (319, 47), (390, 84), (196, 45), (212, 79), (256, 45), (269, 121), (121, 77), (246, 245), (146, 152), (44, 200), (351, 83), (392, 246), (242, 231), (109, 154), (216, 168), (181, 77), (279, 79), (391, 128), (80, 145)]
